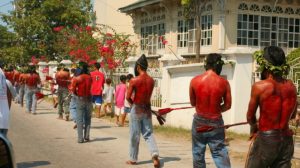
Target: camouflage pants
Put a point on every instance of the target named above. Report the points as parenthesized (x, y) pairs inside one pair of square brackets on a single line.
[(63, 101)]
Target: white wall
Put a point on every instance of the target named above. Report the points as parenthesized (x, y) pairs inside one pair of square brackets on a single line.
[(239, 76)]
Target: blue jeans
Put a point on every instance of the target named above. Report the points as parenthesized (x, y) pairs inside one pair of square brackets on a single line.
[(84, 115), (141, 123), (31, 99), (72, 107), (21, 94), (215, 140)]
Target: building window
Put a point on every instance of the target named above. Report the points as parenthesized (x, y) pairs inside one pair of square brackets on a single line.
[(289, 11), (247, 29), (161, 34), (259, 30), (182, 35), (266, 9), (278, 10), (206, 30), (297, 11), (243, 6), (254, 7)]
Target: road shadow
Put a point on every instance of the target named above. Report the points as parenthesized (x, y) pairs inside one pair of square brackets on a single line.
[(163, 160), (102, 139), (101, 127), (32, 164), (45, 112)]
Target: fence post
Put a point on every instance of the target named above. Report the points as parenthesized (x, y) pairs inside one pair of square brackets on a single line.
[(167, 60), (131, 62)]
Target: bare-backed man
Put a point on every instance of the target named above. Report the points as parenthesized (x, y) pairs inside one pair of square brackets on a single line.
[(276, 98), (140, 115), (207, 92)]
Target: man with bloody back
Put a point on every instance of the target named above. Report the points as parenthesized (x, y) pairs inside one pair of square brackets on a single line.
[(207, 92), (81, 87), (140, 115), (63, 80), (31, 84), (276, 98)]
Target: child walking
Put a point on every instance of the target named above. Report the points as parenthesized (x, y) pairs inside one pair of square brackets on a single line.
[(120, 98)]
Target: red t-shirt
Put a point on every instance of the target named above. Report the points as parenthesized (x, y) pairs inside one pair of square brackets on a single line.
[(82, 85), (97, 82)]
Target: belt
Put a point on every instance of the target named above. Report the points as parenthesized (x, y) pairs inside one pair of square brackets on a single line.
[(84, 97), (276, 132)]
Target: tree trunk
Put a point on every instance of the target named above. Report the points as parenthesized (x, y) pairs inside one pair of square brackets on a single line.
[(198, 37)]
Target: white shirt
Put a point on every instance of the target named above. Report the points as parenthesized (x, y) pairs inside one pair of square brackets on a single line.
[(108, 93), (4, 109)]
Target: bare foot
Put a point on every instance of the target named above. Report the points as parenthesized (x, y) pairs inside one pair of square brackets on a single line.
[(130, 162), (156, 162)]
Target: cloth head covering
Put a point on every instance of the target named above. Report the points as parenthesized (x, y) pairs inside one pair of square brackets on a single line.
[(142, 61)]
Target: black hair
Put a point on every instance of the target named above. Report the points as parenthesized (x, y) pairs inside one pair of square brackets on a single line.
[(129, 76), (275, 55), (97, 65), (214, 62), (108, 81), (84, 68), (66, 70), (123, 78)]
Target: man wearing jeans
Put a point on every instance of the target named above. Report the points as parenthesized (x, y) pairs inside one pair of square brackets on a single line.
[(207, 91), (81, 86), (31, 87), (140, 115)]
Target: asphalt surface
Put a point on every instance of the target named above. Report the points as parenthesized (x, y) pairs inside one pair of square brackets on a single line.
[(41, 140)]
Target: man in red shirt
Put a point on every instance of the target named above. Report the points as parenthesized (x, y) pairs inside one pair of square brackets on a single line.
[(31, 87), (207, 91), (276, 98), (23, 77), (63, 80), (98, 81), (140, 115), (81, 87)]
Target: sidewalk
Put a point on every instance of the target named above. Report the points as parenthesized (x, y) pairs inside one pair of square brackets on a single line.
[(42, 137)]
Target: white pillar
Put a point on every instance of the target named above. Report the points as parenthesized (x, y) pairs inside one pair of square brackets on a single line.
[(52, 67), (222, 32), (131, 62), (42, 70), (67, 63)]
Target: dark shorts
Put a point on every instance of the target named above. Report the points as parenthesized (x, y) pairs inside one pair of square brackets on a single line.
[(97, 99), (127, 109)]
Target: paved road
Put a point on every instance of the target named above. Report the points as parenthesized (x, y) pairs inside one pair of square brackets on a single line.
[(43, 141)]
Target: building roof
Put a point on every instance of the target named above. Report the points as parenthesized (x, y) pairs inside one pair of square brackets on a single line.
[(138, 4)]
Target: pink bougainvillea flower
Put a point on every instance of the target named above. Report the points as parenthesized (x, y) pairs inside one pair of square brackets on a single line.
[(108, 35), (111, 42), (58, 29), (34, 60), (88, 28), (92, 62), (126, 43), (72, 53), (75, 27)]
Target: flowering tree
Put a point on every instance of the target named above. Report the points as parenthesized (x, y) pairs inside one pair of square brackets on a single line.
[(90, 44)]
